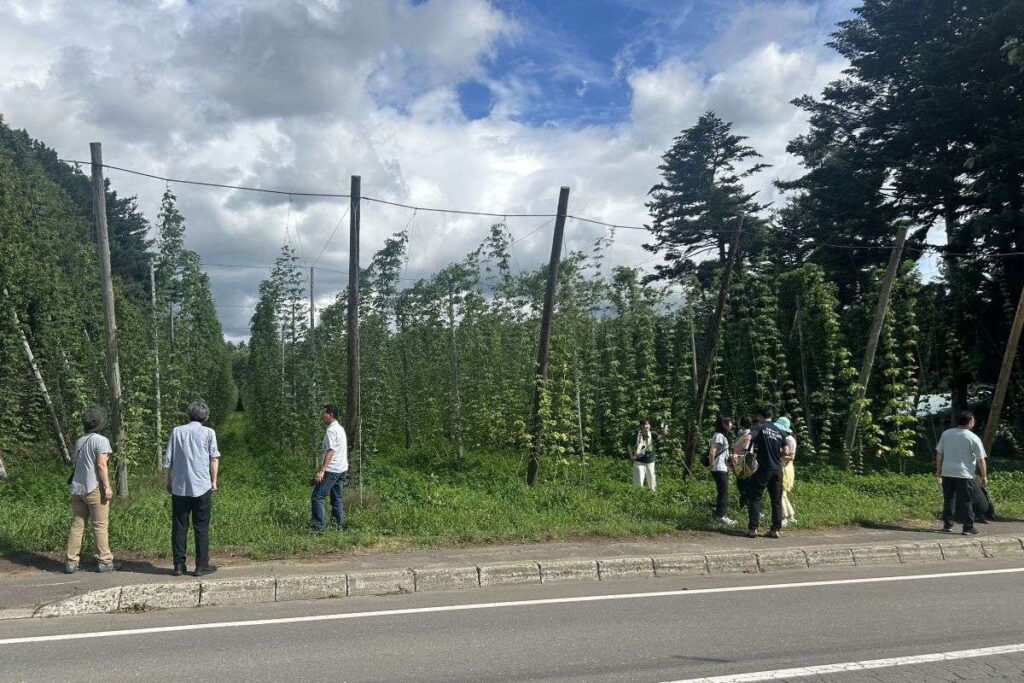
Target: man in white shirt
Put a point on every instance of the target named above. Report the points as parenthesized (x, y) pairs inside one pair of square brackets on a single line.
[(332, 472), (959, 454)]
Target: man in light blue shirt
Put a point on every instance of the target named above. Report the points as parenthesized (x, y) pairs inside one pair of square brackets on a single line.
[(959, 454), (191, 462)]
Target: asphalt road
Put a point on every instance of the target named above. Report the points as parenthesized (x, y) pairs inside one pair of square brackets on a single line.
[(649, 630)]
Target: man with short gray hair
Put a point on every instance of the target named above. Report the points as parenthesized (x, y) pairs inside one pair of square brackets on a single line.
[(191, 462)]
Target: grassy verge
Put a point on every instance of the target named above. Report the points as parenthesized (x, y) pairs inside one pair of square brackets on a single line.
[(412, 500)]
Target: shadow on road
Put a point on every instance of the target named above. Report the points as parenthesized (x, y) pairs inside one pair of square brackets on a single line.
[(48, 563)]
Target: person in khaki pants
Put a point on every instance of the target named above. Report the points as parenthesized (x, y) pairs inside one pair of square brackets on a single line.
[(90, 491)]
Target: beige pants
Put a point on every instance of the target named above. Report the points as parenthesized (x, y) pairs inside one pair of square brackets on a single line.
[(97, 510)]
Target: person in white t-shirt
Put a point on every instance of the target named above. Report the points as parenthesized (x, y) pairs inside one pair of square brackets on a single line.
[(330, 477), (718, 461), (959, 455)]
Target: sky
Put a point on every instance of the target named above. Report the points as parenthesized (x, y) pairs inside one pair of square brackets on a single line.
[(468, 104)]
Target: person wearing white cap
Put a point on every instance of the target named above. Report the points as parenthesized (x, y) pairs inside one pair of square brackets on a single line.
[(788, 471)]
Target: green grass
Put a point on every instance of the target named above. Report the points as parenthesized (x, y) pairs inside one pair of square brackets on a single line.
[(415, 500)]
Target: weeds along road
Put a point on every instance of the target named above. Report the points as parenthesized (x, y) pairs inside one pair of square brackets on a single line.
[(668, 630)]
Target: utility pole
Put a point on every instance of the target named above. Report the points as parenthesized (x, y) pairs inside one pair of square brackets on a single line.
[(1009, 354), (40, 383), (99, 202), (711, 350), (872, 347), (545, 332), (352, 394), (156, 363)]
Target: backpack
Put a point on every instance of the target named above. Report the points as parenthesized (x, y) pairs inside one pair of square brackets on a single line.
[(746, 465)]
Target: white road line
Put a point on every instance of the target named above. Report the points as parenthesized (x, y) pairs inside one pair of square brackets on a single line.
[(799, 672), (496, 605)]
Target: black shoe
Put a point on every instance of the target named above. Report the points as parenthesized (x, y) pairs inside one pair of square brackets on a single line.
[(752, 533), (179, 570), (203, 571), (774, 533), (947, 529), (971, 532), (982, 520)]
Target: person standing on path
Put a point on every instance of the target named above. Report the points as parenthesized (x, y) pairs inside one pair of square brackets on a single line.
[(191, 461), (770, 448), (737, 459), (958, 456), (643, 452), (718, 461), (788, 471), (332, 472), (90, 491)]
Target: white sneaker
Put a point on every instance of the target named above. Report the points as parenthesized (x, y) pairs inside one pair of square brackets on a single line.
[(785, 521), (726, 521)]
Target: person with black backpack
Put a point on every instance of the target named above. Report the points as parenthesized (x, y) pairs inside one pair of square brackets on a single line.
[(769, 449)]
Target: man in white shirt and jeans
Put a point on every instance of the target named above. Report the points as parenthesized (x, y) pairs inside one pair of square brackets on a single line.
[(332, 472), (959, 453)]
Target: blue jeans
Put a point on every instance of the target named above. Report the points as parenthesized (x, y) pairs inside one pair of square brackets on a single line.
[(335, 483)]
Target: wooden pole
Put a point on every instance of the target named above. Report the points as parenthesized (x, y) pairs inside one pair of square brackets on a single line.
[(872, 347), (99, 202), (545, 332), (314, 395), (455, 371), (156, 364), (352, 394), (406, 407), (1009, 354), (693, 350), (711, 347), (803, 369), (37, 373)]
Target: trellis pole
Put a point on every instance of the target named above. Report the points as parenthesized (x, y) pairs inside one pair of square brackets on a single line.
[(156, 364), (1009, 354), (99, 202), (352, 419), (545, 333), (37, 373), (872, 346), (712, 347)]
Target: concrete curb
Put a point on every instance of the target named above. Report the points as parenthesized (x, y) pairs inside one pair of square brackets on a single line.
[(142, 597)]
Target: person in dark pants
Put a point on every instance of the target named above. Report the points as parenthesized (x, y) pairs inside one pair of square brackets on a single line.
[(959, 455), (330, 477), (769, 444), (191, 462), (718, 462), (737, 460)]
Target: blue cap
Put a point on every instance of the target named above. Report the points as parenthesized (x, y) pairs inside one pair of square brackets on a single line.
[(784, 424)]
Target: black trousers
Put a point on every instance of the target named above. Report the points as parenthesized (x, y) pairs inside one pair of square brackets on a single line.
[(183, 507), (764, 479), (959, 492), (722, 486)]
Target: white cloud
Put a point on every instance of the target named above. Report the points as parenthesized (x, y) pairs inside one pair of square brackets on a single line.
[(301, 95)]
